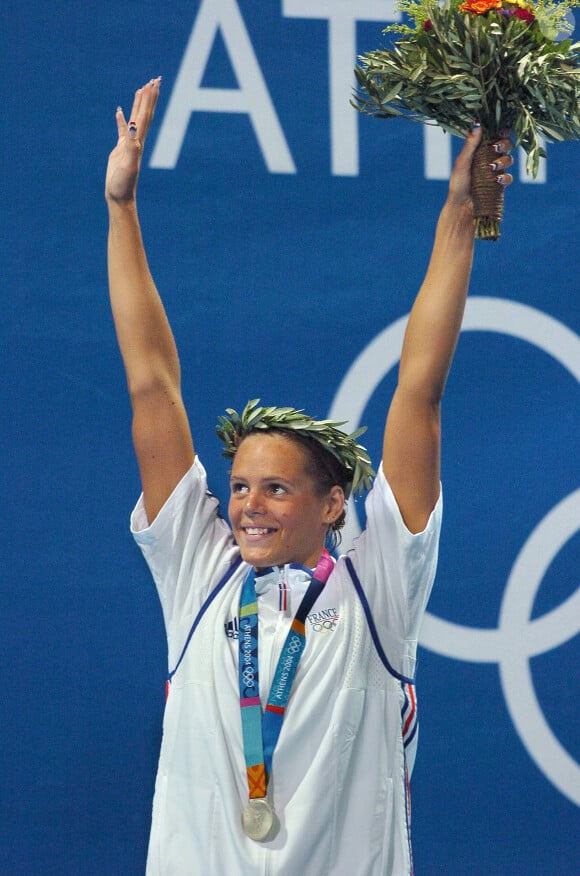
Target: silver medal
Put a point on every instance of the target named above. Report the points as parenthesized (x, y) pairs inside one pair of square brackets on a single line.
[(257, 818)]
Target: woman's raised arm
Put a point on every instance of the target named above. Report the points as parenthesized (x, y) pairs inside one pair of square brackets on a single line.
[(161, 432), (411, 450)]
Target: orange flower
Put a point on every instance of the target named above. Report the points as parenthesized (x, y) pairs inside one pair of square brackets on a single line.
[(479, 7)]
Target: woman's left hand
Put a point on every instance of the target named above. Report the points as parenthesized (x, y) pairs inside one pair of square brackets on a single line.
[(460, 182)]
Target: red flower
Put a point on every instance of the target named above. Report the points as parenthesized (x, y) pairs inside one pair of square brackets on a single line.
[(427, 25), (524, 14)]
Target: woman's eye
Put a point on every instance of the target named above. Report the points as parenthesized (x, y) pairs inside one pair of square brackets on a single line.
[(277, 489), (238, 488)]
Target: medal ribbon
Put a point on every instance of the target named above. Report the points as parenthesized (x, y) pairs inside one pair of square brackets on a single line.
[(260, 734)]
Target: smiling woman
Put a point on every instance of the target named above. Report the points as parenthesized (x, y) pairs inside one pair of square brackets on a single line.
[(278, 512), (295, 755)]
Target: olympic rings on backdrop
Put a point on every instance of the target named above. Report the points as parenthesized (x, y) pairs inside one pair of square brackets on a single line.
[(526, 637)]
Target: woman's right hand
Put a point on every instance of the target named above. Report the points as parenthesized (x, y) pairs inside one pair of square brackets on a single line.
[(125, 159)]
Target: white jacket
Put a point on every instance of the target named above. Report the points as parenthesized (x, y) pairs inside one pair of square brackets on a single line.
[(339, 783)]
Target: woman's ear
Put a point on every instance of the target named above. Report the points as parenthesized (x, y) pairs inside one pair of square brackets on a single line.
[(335, 504)]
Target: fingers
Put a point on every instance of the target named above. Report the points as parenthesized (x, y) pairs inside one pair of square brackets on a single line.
[(503, 148), (144, 106), (472, 141), (137, 102), (121, 123), (142, 112), (125, 159), (504, 145), (460, 182)]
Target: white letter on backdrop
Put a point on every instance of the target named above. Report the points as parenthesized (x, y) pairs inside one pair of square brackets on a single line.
[(436, 153), (342, 16), (252, 97)]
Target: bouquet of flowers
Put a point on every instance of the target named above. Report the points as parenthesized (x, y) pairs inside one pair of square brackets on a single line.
[(509, 64)]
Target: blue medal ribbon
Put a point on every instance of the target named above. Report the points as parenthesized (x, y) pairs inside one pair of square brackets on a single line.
[(261, 733)]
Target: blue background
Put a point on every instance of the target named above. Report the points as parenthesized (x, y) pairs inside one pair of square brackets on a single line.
[(274, 284)]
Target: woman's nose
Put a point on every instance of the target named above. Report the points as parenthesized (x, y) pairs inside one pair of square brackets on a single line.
[(254, 503)]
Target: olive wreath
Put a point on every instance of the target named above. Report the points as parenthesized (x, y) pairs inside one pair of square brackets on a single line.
[(344, 447)]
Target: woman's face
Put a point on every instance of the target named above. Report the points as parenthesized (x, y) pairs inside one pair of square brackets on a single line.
[(276, 514)]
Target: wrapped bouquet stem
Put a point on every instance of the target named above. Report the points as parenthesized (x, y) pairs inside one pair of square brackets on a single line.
[(509, 64), (487, 194)]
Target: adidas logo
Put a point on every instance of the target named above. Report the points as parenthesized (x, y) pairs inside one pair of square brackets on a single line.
[(232, 629)]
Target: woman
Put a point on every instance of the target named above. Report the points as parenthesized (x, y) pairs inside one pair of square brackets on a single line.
[(290, 723)]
